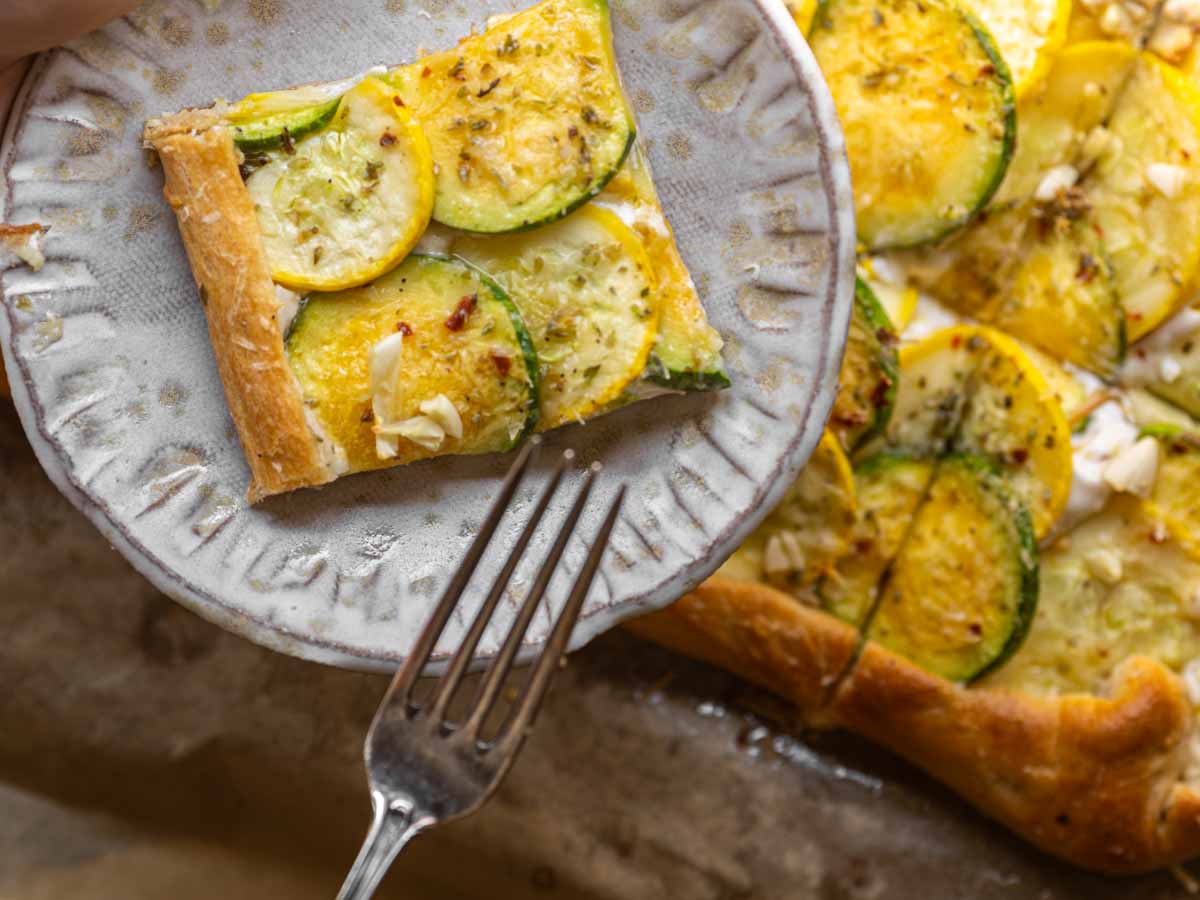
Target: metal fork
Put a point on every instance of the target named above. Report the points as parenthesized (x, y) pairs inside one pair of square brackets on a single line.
[(424, 770)]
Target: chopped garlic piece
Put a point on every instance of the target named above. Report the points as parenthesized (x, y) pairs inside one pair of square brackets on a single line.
[(384, 369), (1134, 470), (1105, 565), (1168, 179), (783, 555), (1055, 181), (1170, 369), (421, 430), (442, 411)]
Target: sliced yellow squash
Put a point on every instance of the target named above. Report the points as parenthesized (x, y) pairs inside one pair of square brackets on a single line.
[(803, 12), (1177, 486), (926, 105), (687, 352), (1145, 193), (808, 531), (586, 291), (973, 390), (350, 201), (1056, 120), (1029, 34), (527, 121)]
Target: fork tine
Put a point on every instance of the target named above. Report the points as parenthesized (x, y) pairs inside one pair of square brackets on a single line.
[(466, 650), (408, 674), (500, 666), (523, 714)]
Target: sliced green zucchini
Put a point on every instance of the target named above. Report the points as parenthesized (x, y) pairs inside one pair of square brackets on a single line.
[(527, 121), (586, 292), (960, 597), (270, 121), (1144, 194), (1046, 282), (348, 203), (1123, 585), (870, 373), (1057, 123), (373, 362), (808, 531), (888, 489), (926, 105), (687, 353)]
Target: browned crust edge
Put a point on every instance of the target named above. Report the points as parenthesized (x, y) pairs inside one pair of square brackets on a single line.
[(220, 232), (1093, 780)]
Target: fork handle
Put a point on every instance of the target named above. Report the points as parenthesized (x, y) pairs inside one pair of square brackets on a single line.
[(394, 823)]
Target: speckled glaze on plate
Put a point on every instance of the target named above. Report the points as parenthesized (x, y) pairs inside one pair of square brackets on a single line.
[(113, 376)]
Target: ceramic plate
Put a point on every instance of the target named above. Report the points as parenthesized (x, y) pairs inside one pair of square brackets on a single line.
[(109, 360)]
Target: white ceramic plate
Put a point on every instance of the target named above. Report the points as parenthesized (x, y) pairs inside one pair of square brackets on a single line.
[(109, 360)]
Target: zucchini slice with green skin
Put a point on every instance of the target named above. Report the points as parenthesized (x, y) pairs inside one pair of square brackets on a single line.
[(960, 596), (459, 337), (269, 121), (527, 121), (687, 353), (1046, 282), (870, 372), (808, 531), (586, 292), (1111, 593), (926, 105), (888, 490)]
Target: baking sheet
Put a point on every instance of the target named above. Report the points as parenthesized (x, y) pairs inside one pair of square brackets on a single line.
[(143, 749)]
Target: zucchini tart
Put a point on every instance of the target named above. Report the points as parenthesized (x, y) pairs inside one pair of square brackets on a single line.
[(443, 257), (991, 564)]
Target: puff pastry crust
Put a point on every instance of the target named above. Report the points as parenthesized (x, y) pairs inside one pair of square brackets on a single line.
[(1097, 781), (224, 246)]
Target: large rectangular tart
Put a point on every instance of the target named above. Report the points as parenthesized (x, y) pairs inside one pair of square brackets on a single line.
[(439, 258)]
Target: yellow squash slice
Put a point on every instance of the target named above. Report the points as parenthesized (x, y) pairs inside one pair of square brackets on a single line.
[(348, 202), (1145, 193), (1029, 34), (973, 390), (586, 291), (808, 531)]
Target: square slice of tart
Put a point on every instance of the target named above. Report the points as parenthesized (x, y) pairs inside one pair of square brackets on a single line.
[(438, 258)]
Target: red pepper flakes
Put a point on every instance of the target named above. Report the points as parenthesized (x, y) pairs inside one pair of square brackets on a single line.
[(503, 363), (462, 312), (404, 328), (426, 72), (1020, 456), (956, 341), (397, 101), (387, 139)]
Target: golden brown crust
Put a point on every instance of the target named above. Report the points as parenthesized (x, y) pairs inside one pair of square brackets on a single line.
[(1094, 780), (761, 635), (220, 232)]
